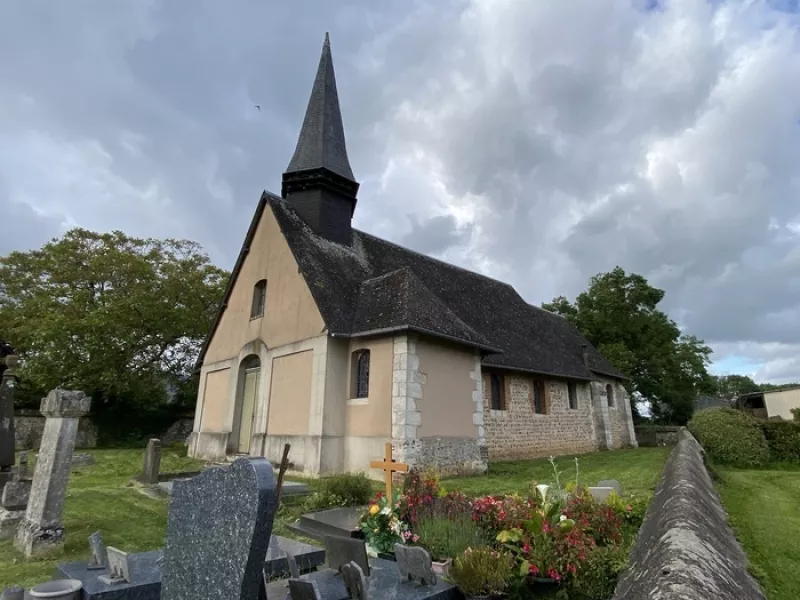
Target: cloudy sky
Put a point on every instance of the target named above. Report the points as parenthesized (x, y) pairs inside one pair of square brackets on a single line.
[(538, 142)]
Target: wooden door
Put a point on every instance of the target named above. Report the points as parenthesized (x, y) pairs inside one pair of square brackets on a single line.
[(248, 409)]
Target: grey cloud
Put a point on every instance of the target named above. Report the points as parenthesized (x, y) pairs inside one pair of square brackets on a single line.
[(435, 235)]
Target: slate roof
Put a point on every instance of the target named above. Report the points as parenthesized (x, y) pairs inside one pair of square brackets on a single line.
[(376, 286)]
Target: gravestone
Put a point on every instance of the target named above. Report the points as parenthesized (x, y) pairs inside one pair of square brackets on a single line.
[(354, 581), (99, 557), (218, 532), (13, 501), (8, 384), (152, 462), (41, 530), (14, 592), (601, 494), (118, 569), (293, 570), (612, 483), (82, 460), (300, 589), (22, 467), (341, 550), (414, 563)]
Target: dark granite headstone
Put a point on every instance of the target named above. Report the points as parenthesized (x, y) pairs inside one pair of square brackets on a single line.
[(14, 592), (99, 558), (354, 581), (414, 563), (303, 590), (8, 383), (218, 532), (384, 582), (341, 550)]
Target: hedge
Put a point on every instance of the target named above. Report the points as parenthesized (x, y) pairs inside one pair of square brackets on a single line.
[(783, 439), (730, 437)]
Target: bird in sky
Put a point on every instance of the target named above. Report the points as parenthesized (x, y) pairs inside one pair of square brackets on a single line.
[(258, 106)]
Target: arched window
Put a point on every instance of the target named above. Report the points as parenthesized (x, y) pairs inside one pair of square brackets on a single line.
[(610, 394), (259, 299), (360, 379)]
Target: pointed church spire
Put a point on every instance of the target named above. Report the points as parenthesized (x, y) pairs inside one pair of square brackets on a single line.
[(321, 142), (319, 182)]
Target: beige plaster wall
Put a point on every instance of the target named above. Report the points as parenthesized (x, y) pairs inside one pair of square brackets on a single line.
[(371, 416), (290, 314), (780, 404), (447, 406), (215, 401), (518, 432), (290, 394)]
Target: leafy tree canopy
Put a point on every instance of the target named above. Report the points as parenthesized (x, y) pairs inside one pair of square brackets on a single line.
[(110, 314), (619, 315), (730, 387)]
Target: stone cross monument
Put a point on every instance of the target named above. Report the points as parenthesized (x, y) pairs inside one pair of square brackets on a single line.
[(41, 530), (7, 385)]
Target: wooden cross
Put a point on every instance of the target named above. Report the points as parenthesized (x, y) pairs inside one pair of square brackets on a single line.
[(389, 465)]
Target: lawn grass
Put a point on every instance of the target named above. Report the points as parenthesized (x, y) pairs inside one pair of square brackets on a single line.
[(638, 470), (763, 509), (98, 497)]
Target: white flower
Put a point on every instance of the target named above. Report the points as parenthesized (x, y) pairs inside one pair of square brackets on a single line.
[(563, 518), (386, 510), (543, 487)]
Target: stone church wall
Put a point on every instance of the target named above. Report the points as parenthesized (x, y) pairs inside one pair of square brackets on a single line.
[(518, 432)]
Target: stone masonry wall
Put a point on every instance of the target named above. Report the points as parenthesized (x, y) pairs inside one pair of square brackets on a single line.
[(518, 432), (29, 427), (685, 549), (621, 422)]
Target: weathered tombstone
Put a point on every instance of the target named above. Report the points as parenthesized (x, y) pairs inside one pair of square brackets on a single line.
[(82, 460), (601, 494), (218, 532), (118, 568), (152, 461), (8, 384), (13, 501), (22, 467), (612, 483), (300, 589), (99, 556), (415, 564), (41, 530), (341, 550), (354, 581)]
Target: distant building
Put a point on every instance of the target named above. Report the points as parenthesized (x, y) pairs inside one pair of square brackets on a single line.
[(766, 405)]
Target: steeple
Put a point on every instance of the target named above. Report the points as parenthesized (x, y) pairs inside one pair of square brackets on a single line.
[(319, 181)]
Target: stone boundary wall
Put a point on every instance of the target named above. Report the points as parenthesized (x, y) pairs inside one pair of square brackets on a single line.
[(657, 435), (29, 427), (685, 549)]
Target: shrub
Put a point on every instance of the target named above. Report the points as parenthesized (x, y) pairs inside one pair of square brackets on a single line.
[(796, 414), (783, 439), (354, 489), (730, 437), (482, 571), (597, 577), (447, 537)]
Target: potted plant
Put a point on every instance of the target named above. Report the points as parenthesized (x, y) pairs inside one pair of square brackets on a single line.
[(482, 573), (382, 526)]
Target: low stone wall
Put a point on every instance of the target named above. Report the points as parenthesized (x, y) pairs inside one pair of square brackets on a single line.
[(29, 426), (451, 456), (685, 549), (657, 435)]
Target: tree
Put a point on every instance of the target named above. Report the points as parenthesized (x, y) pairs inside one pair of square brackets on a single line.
[(730, 387), (619, 315), (114, 315)]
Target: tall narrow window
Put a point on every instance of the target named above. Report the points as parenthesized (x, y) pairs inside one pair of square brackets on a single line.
[(572, 389), (498, 393), (610, 395), (360, 382), (259, 299), (539, 402)]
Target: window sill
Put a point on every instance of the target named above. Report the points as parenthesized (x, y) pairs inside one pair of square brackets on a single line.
[(358, 402), (495, 413)]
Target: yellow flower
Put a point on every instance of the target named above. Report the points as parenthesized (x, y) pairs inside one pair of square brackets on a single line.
[(373, 510)]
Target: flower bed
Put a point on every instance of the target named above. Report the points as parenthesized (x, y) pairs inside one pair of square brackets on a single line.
[(554, 541)]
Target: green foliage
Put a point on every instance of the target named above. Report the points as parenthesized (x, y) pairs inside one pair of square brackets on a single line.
[(618, 314), (783, 439), (597, 577), (322, 500), (355, 489), (730, 387), (446, 537), (482, 571), (796, 415), (730, 437), (118, 317)]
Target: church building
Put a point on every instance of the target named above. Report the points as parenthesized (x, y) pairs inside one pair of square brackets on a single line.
[(337, 341)]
